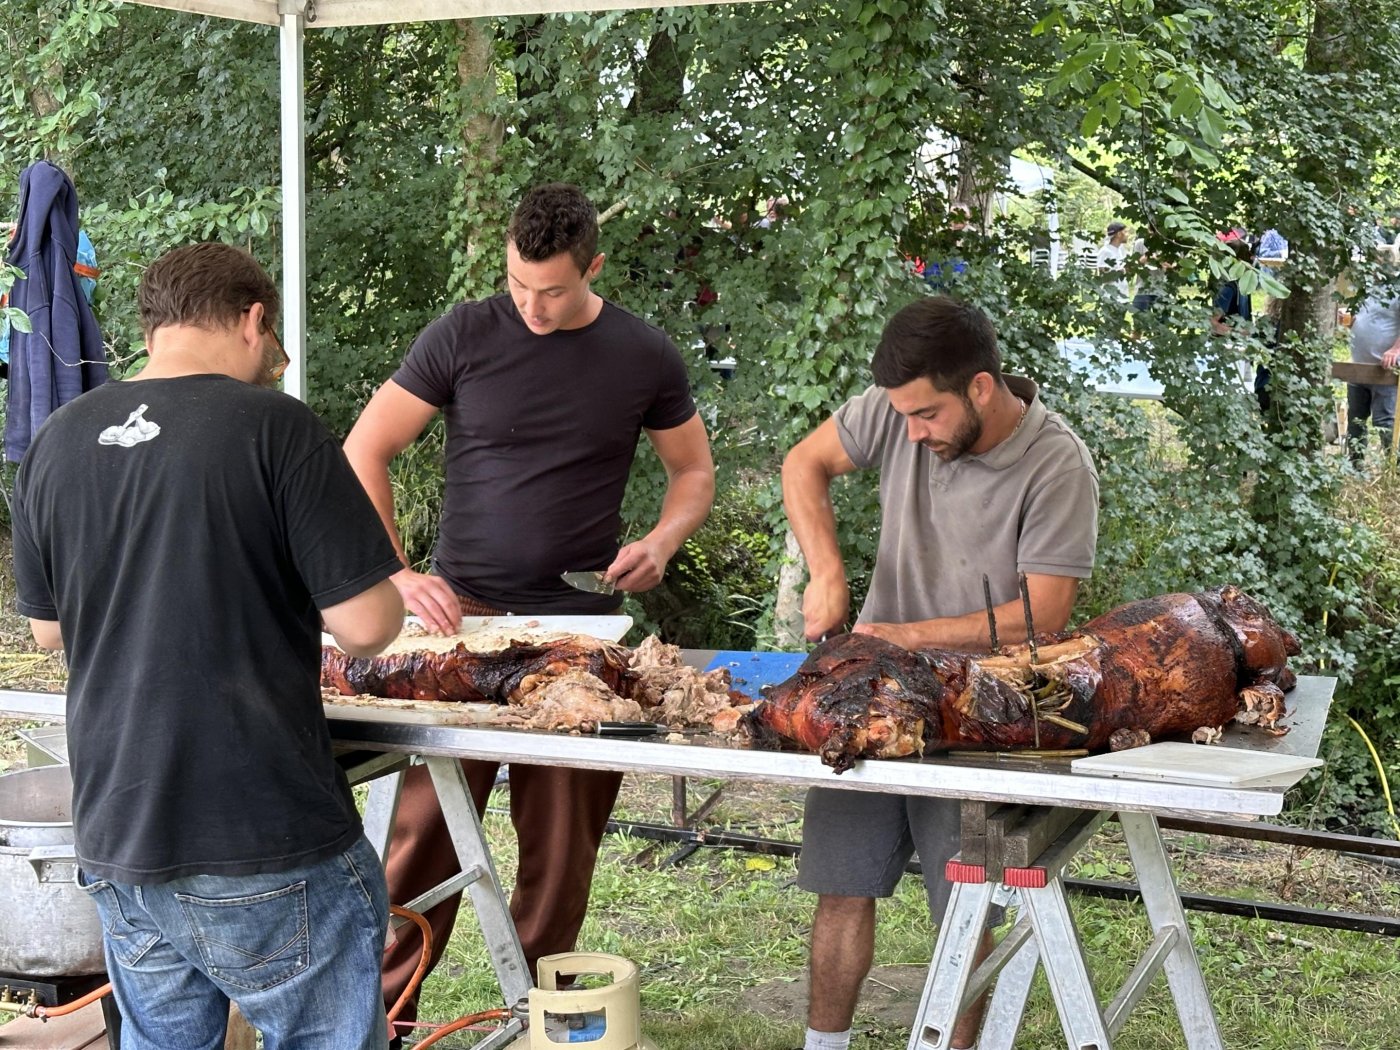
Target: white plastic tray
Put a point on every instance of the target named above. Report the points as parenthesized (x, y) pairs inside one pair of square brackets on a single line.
[(1200, 764)]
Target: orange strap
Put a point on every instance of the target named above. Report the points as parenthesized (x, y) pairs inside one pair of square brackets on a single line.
[(84, 270)]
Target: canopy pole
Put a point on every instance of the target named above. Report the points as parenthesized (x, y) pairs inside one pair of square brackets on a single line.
[(293, 95)]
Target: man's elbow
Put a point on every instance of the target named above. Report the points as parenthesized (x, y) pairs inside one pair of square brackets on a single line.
[(47, 634), (365, 624)]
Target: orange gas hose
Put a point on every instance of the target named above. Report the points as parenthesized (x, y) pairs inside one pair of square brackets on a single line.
[(45, 1012), (417, 978), (464, 1022)]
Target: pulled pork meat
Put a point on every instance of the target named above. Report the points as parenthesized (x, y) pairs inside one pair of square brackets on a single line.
[(677, 695), (575, 701)]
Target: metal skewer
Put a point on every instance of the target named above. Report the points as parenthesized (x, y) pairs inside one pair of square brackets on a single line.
[(1035, 657), (991, 613), (1030, 624)]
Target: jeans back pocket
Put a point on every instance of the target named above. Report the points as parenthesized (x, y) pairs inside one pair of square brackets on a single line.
[(253, 942)]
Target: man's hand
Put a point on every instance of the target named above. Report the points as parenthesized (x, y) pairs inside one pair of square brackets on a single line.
[(825, 606), (1391, 358), (430, 599), (638, 567)]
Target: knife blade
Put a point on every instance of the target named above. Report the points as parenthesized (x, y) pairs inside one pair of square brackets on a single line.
[(593, 581)]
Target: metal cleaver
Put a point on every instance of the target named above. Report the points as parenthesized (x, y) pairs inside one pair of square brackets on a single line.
[(592, 581)]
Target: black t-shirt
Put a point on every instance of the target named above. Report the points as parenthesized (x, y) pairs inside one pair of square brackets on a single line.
[(183, 532), (541, 433)]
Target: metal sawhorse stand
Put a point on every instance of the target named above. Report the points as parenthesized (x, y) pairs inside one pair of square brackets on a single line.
[(477, 877), (1045, 932)]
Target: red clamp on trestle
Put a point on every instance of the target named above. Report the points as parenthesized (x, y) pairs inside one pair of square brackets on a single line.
[(957, 871), (1025, 878), (1021, 878)]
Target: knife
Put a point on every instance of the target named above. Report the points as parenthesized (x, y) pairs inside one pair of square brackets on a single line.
[(595, 581)]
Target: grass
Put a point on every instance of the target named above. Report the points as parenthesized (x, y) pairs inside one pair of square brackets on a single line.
[(721, 940)]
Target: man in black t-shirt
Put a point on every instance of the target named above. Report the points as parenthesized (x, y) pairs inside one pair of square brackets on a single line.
[(184, 535), (545, 390)]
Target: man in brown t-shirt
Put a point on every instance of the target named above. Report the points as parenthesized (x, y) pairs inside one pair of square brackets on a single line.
[(545, 391), (976, 477)]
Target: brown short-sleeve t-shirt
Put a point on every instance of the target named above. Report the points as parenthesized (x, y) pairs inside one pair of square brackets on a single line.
[(541, 434), (1028, 505)]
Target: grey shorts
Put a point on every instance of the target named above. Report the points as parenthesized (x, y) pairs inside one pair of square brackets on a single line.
[(856, 843)]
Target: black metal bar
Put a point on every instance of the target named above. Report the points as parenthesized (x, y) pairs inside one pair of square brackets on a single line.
[(1331, 920), (1380, 925), (1278, 833)]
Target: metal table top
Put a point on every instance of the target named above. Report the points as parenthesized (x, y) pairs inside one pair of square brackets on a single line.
[(968, 775)]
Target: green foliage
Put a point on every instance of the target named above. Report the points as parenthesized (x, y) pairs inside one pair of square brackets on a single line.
[(681, 123), (713, 594), (416, 480)]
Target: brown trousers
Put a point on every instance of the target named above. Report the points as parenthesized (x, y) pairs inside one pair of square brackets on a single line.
[(559, 816)]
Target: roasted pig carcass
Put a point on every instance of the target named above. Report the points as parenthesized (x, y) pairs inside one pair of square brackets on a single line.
[(498, 677), (1161, 667), (567, 684)]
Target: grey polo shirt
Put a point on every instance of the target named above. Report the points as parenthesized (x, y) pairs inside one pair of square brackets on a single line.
[(1028, 505), (1375, 329)]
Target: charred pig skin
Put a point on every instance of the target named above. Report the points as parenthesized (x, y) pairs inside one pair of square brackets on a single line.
[(854, 696), (461, 675), (1161, 667)]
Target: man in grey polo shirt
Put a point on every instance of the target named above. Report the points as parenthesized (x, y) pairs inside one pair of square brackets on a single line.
[(976, 476), (1375, 340)]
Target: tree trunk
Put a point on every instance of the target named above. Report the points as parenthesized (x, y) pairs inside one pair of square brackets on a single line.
[(482, 133), (787, 610), (661, 78), (45, 104)]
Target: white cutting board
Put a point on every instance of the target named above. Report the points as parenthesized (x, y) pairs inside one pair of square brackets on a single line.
[(1200, 764), (408, 712), (488, 633)]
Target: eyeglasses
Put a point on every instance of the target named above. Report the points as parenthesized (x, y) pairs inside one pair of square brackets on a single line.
[(280, 367)]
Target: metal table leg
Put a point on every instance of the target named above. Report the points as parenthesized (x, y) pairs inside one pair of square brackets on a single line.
[(1164, 911), (1045, 932), (477, 877), (950, 972)]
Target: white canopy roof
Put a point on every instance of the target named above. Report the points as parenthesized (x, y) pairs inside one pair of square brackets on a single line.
[(325, 14)]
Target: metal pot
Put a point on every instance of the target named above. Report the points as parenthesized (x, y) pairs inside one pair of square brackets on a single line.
[(47, 928)]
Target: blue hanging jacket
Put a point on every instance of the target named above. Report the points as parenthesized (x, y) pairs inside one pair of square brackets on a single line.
[(87, 270), (63, 355)]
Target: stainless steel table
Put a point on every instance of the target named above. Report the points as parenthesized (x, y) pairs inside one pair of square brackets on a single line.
[(1044, 931)]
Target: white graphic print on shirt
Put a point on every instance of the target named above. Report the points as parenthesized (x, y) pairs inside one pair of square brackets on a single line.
[(135, 430)]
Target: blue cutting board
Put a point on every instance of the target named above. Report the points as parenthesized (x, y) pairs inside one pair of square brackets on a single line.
[(752, 671)]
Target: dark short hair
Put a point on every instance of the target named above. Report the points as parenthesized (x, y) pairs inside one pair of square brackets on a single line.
[(555, 218), (1116, 227), (940, 339), (204, 285)]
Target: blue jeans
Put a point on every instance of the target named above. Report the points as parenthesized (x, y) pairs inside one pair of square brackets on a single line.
[(1376, 403), (299, 951)]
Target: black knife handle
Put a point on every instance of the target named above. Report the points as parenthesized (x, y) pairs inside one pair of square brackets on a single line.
[(631, 729)]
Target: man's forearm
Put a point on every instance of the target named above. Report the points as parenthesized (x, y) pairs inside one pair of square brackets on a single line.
[(374, 478), (689, 496), (807, 502), (1052, 601)]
